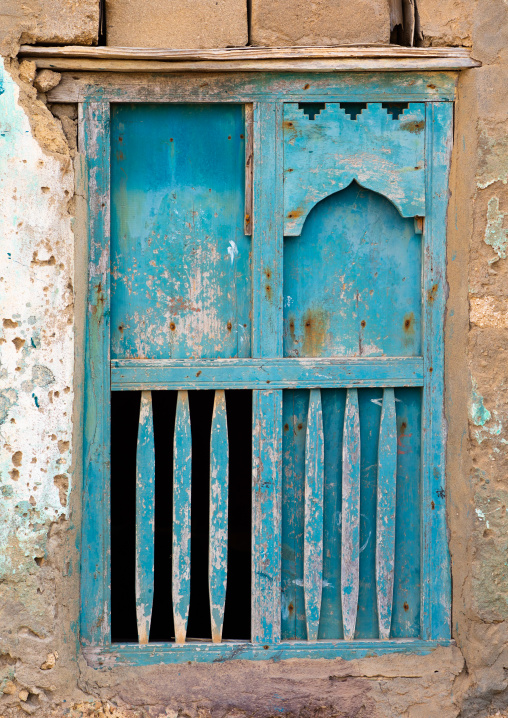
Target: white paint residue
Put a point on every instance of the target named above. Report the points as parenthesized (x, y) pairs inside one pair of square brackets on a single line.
[(36, 300), (482, 517), (232, 250)]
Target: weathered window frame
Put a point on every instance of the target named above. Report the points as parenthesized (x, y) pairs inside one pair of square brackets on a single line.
[(266, 92)]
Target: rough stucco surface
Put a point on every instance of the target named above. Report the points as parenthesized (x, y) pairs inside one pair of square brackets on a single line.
[(36, 398), (179, 23), (68, 22), (41, 669), (324, 22), (448, 22), (477, 349)]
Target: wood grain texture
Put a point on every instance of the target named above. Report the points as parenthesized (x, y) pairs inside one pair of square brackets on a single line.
[(248, 87), (266, 516), (182, 477), (350, 387), (267, 237), (408, 571), (382, 153), (273, 373), (314, 495), (157, 653), (249, 144), (295, 411), (177, 202), (95, 546), (230, 53), (334, 405), (436, 579), (332, 306), (218, 523), (385, 513), (319, 65), (350, 554), (145, 517)]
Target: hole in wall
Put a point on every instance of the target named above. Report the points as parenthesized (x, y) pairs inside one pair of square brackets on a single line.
[(124, 426)]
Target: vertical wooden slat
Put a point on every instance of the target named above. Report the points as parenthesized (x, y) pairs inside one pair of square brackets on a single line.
[(385, 512), (314, 494), (182, 472), (350, 553), (267, 237), (145, 517), (248, 167), (218, 538), (95, 547), (435, 557), (267, 242), (266, 516)]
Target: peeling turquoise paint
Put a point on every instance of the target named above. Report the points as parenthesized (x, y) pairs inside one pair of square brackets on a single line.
[(480, 416), (479, 413)]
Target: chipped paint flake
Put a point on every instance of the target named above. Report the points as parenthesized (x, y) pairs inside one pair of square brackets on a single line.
[(478, 412)]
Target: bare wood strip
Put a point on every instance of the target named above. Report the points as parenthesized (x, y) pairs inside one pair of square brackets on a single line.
[(249, 130), (314, 495), (239, 53), (345, 64), (145, 517), (182, 471), (218, 537), (350, 552), (385, 516)]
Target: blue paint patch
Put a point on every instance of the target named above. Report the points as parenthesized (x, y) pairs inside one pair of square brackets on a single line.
[(479, 413)]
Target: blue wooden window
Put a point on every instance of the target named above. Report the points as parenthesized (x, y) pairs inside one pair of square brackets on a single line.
[(281, 234)]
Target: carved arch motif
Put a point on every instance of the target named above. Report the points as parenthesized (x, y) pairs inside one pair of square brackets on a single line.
[(381, 150)]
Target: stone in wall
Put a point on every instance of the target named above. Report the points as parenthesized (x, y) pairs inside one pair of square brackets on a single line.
[(324, 22), (75, 22), (446, 22), (176, 24)]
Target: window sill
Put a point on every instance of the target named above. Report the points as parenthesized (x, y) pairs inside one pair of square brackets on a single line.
[(133, 654)]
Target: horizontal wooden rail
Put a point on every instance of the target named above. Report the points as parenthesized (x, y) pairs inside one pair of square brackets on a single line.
[(207, 652), (349, 57), (239, 53), (153, 374)]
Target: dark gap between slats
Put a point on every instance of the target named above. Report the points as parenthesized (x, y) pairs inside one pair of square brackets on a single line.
[(124, 434), (125, 416), (164, 410)]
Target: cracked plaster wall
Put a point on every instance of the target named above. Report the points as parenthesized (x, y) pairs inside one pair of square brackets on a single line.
[(36, 398), (41, 670)]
